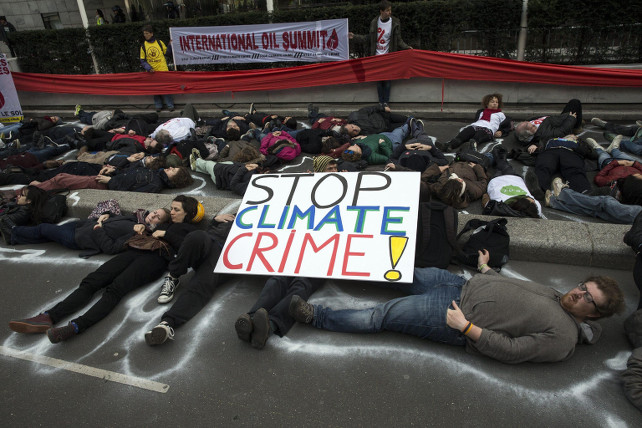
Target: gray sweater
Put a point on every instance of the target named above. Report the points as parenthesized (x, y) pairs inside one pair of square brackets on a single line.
[(521, 320)]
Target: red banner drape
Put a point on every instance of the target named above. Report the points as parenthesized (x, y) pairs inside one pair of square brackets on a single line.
[(394, 66)]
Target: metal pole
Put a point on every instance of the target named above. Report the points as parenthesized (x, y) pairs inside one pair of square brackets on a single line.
[(270, 6), (523, 29), (85, 23)]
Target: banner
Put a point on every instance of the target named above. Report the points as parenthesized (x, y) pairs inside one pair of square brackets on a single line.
[(353, 225), (416, 63), (298, 41), (10, 111)]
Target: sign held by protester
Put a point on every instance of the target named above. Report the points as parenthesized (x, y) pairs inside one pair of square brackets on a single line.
[(10, 110), (355, 225), (316, 41)]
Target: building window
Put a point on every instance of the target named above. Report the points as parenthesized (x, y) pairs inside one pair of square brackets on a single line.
[(51, 20)]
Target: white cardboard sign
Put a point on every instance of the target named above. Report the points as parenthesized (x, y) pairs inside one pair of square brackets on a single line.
[(10, 110), (356, 225)]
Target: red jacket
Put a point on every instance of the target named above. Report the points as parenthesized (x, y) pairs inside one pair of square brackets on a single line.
[(614, 171)]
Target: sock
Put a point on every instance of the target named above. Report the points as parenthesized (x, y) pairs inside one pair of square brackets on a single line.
[(75, 326)]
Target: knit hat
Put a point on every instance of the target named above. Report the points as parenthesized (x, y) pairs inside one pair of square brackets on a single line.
[(321, 162), (414, 161)]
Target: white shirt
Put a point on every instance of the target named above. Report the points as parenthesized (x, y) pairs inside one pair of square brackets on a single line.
[(383, 36), (506, 187), (493, 124), (178, 128)]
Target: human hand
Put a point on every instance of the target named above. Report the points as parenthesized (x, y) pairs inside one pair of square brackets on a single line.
[(224, 218), (251, 166), (390, 165), (158, 234), (139, 228), (136, 157), (497, 134), (472, 164), (381, 140), (573, 114), (531, 149), (276, 133), (387, 109), (103, 179), (483, 256), (101, 219), (443, 168), (455, 317), (350, 35), (625, 162)]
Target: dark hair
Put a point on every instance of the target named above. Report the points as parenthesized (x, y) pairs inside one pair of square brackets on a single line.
[(631, 190), (100, 13), (291, 123), (190, 206), (233, 134), (148, 28), (246, 154), (526, 206), (614, 297), (449, 194), (328, 144), (384, 4), (155, 163), (37, 199), (182, 178), (489, 97), (153, 150), (351, 157)]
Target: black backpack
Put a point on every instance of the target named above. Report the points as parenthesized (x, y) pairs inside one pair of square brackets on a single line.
[(436, 235), (55, 208), (490, 235)]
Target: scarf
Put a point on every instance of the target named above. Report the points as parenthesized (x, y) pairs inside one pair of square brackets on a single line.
[(487, 112)]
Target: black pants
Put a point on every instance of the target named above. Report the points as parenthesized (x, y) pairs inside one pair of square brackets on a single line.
[(566, 162), (276, 295), (626, 130), (394, 120), (118, 276), (480, 135), (200, 252), (574, 106)]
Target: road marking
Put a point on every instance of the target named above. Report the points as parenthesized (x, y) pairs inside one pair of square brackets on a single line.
[(86, 370)]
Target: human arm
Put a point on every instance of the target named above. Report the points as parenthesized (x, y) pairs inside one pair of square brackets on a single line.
[(101, 220)]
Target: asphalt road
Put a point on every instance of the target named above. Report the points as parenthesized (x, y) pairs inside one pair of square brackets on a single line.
[(207, 376)]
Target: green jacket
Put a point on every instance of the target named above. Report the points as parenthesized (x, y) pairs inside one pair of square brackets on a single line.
[(380, 151)]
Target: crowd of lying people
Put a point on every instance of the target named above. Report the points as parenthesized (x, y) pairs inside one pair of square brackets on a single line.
[(139, 153)]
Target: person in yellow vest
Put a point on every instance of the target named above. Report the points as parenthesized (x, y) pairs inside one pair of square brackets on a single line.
[(152, 58)]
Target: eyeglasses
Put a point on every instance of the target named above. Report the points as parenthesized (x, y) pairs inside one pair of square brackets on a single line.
[(349, 152), (588, 297)]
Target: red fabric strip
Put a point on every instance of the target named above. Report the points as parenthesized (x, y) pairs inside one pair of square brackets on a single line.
[(394, 66)]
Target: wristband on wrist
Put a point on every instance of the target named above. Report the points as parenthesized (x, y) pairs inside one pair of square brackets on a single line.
[(481, 267), (467, 329)]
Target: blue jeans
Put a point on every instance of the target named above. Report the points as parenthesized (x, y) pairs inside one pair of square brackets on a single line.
[(632, 146), (7, 129), (603, 158), (422, 314), (397, 135), (160, 99), (383, 91), (605, 207), (64, 234), (49, 152)]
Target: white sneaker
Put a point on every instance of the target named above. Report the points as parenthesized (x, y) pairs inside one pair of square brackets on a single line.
[(168, 289), (557, 186), (592, 143), (159, 334), (615, 144)]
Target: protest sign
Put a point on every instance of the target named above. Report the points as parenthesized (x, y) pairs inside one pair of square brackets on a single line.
[(297, 41), (10, 111), (357, 225)]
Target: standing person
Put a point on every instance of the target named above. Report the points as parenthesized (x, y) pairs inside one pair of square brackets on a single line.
[(100, 18), (384, 36), (5, 28), (152, 58), (118, 276), (119, 15)]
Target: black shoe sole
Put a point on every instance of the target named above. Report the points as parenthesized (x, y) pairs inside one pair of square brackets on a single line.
[(261, 322), (157, 336), (244, 327)]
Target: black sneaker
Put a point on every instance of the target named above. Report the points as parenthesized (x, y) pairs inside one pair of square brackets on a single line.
[(261, 332), (6, 226), (159, 334), (168, 289), (59, 334), (301, 310), (244, 327)]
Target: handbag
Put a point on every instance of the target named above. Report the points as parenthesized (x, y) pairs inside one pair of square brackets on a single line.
[(109, 206), (148, 243)]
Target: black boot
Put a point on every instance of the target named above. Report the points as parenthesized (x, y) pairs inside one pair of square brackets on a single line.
[(6, 224)]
